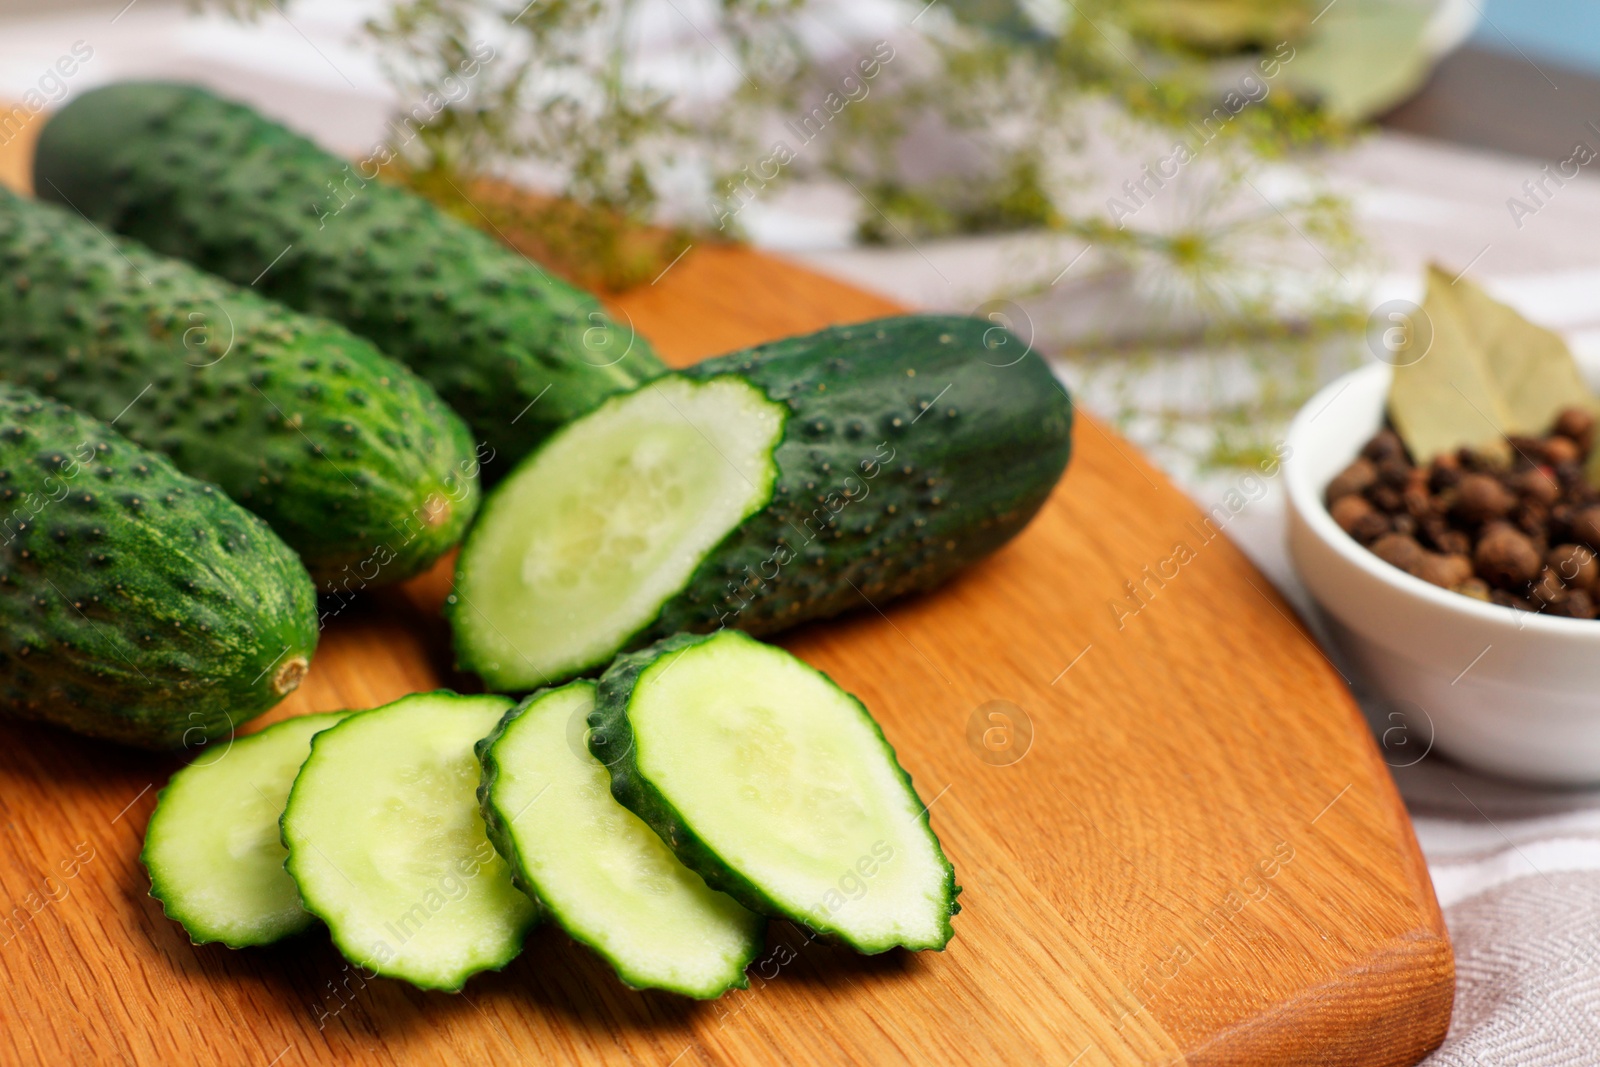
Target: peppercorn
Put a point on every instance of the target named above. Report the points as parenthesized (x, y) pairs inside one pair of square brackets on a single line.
[(1482, 521), (1586, 526), (1508, 600), (1453, 543), (1394, 472), (1385, 498), (1400, 550), (1577, 425), (1561, 515), (1357, 517), (1481, 498), (1416, 499), (1506, 557), (1559, 450), (1578, 605), (1537, 483), (1385, 444), (1355, 478), (1532, 518), (1444, 571), (1547, 589), (1575, 564)]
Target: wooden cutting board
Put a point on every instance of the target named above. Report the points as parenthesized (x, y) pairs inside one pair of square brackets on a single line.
[(1177, 842)]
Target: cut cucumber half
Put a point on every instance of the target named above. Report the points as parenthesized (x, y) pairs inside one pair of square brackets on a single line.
[(777, 787), (593, 533), (388, 849), (595, 867), (760, 489), (212, 847)]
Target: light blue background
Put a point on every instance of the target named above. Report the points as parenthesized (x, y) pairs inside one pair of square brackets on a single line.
[(1565, 32)]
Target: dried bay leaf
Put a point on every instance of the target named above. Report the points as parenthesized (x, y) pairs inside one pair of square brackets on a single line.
[(1532, 366), (1447, 399), (1490, 372), (1364, 56)]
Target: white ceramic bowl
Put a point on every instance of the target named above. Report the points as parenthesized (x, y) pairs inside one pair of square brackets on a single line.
[(1512, 692)]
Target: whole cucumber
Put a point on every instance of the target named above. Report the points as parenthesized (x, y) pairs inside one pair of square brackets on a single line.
[(136, 604), (351, 458), (760, 490), (517, 352)]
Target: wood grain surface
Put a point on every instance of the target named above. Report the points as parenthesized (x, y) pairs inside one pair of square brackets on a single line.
[(1198, 857)]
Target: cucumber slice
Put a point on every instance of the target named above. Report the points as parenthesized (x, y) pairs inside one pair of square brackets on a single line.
[(593, 533), (777, 787), (759, 490), (387, 846), (212, 847), (595, 867)]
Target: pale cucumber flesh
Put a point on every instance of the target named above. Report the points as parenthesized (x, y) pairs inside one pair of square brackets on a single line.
[(598, 869), (388, 848), (212, 847), (585, 541), (787, 779)]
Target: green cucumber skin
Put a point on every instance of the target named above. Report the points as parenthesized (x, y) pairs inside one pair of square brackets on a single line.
[(499, 832), (216, 183), (350, 457), (975, 478), (611, 741), (505, 842), (137, 604)]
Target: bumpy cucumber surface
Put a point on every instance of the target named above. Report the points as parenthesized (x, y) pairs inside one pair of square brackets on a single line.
[(388, 848), (136, 603), (594, 866), (777, 787), (351, 458), (516, 351), (212, 845), (759, 490)]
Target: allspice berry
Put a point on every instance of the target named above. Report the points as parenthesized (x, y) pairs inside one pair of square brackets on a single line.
[(1353, 479), (1357, 517), (1547, 589), (1537, 483), (1385, 444), (1559, 450), (1578, 605), (1481, 498), (1576, 425), (1516, 523), (1453, 543), (1400, 550), (1447, 572), (1418, 504), (1386, 497), (1586, 525), (1506, 557), (1574, 564)]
